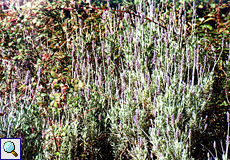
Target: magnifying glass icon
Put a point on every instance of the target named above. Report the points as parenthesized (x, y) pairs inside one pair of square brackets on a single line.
[(9, 147)]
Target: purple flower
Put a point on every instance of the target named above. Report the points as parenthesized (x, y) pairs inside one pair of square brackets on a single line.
[(177, 132), (115, 83), (141, 141), (120, 125), (173, 58), (83, 66), (126, 16), (109, 88), (88, 94), (159, 63), (162, 38), (184, 5), (121, 40), (106, 33), (135, 95), (185, 31), (158, 133), (83, 93), (184, 88), (194, 9), (128, 66), (201, 70), (182, 63), (138, 64), (96, 60), (190, 134), (135, 119), (157, 145), (170, 19), (99, 117), (131, 37), (123, 78), (100, 80), (104, 15), (149, 81), (168, 79), (96, 81), (137, 113), (157, 81), (197, 61), (168, 133), (180, 11), (167, 119), (146, 62), (83, 47), (155, 103), (28, 77), (110, 16), (108, 60), (183, 19), (102, 46), (123, 87), (78, 58), (135, 51), (178, 117), (43, 134), (93, 45), (155, 112), (142, 18), (88, 57), (154, 59)]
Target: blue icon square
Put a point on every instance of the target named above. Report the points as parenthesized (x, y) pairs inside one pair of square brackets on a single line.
[(10, 148)]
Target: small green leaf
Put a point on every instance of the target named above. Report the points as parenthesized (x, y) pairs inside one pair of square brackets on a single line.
[(43, 94), (57, 153), (81, 84), (75, 88), (53, 74), (209, 19), (75, 81), (56, 85), (19, 40)]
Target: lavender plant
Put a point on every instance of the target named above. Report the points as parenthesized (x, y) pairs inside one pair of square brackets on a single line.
[(134, 85)]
